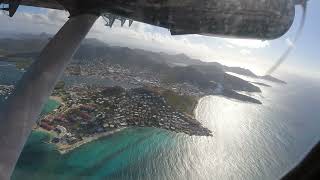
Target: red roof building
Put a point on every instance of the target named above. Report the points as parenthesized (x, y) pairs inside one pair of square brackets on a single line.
[(46, 126)]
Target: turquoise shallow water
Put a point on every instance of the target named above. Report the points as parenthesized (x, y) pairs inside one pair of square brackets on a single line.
[(49, 106), (249, 142), (104, 158)]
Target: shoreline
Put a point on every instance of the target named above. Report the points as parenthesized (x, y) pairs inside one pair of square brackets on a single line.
[(40, 129), (57, 98), (65, 137), (65, 148)]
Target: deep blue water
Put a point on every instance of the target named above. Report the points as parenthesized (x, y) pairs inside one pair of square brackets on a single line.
[(250, 142)]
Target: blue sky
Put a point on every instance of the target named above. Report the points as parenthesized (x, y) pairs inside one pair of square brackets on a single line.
[(252, 54)]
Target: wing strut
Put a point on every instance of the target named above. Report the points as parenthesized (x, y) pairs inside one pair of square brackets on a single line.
[(32, 91), (12, 7)]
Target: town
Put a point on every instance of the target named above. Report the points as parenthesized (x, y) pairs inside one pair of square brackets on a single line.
[(137, 97), (133, 77), (87, 112), (5, 91)]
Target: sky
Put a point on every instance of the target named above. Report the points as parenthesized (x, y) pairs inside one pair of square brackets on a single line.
[(255, 55)]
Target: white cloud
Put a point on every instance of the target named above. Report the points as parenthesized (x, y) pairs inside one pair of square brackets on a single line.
[(245, 52), (247, 43), (23, 22), (145, 36), (139, 35), (229, 46)]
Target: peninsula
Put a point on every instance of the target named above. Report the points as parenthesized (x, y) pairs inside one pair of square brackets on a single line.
[(89, 113), (106, 89)]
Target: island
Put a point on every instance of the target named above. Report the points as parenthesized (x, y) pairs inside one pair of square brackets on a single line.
[(106, 89), (88, 113)]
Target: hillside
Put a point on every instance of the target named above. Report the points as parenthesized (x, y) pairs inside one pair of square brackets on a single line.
[(168, 68), (20, 48)]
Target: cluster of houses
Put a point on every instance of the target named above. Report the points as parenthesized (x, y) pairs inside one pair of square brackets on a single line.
[(57, 124), (141, 107), (125, 76), (5, 90), (94, 111), (133, 78), (185, 89)]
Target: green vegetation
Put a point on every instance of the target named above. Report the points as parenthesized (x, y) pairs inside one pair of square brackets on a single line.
[(59, 90), (74, 70), (3, 52), (183, 103), (21, 63), (60, 85), (24, 64), (113, 91), (187, 74)]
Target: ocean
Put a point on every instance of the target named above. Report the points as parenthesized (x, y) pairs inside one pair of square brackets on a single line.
[(9, 74), (249, 142)]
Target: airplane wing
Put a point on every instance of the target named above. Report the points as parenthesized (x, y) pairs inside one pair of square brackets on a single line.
[(267, 19), (51, 4), (258, 19)]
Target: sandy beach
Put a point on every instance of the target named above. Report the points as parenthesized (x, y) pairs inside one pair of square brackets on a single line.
[(65, 148), (57, 98)]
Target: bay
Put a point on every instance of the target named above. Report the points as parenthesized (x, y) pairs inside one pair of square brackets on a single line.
[(250, 142)]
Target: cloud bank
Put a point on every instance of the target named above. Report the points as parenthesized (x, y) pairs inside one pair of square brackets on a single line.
[(140, 35)]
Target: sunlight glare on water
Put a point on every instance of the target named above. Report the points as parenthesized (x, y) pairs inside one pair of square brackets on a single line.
[(249, 142), (245, 144)]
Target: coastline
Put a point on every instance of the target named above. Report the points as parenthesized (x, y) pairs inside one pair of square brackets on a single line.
[(57, 98), (60, 124), (65, 148), (195, 106), (40, 129)]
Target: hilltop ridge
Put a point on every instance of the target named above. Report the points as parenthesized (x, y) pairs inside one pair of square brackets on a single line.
[(96, 58), (29, 46)]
